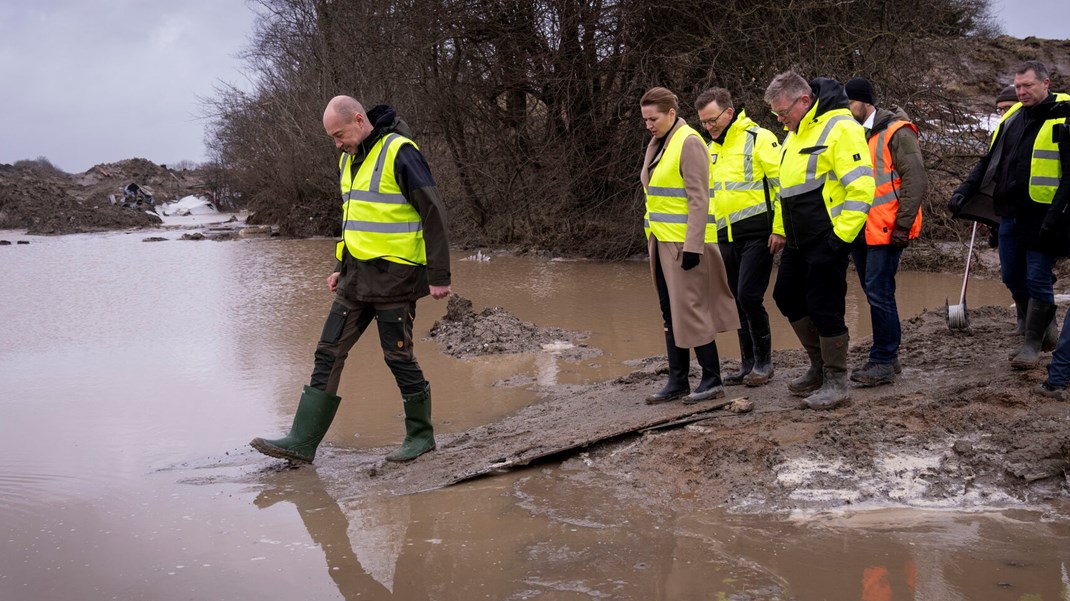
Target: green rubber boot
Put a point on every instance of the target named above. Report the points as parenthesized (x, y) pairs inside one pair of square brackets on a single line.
[(314, 415), (419, 434)]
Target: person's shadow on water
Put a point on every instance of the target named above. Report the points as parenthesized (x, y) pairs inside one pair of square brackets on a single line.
[(393, 570)]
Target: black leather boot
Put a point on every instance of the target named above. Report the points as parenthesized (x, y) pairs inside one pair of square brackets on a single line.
[(710, 387), (679, 366)]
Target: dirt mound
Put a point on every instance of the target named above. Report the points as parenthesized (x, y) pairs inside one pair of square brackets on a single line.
[(464, 333), (41, 199)]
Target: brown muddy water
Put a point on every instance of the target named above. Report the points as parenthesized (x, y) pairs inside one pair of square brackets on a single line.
[(133, 374)]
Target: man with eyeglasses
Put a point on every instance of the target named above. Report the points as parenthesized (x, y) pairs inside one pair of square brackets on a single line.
[(826, 191), (744, 194), (1006, 99), (893, 221), (1013, 186)]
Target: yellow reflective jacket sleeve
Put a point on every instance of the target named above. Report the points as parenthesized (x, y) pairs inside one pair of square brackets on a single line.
[(853, 166), (768, 152)]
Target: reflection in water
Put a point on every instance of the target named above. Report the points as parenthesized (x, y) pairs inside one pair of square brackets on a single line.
[(180, 363), (366, 549)]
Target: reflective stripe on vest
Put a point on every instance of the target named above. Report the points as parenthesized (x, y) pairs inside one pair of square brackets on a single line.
[(739, 198), (1045, 169), (666, 196), (881, 219), (378, 222)]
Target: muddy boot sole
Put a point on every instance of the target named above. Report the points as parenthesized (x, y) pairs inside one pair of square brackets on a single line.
[(717, 392), (657, 399), (277, 452)]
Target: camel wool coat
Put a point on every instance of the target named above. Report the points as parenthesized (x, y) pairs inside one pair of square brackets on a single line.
[(700, 301)]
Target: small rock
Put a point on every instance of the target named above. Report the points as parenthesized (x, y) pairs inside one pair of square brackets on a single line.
[(963, 447), (5, 242), (23, 242), (193, 236), (154, 239)]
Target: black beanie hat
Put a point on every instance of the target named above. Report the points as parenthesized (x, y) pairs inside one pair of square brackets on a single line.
[(859, 88), (1008, 93)]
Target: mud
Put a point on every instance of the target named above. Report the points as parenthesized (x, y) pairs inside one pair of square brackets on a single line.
[(464, 333), (38, 198), (958, 429)]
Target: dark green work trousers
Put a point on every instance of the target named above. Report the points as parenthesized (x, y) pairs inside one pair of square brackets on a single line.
[(344, 326)]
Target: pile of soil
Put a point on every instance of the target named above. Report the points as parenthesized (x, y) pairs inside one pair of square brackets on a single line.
[(41, 199), (463, 333)]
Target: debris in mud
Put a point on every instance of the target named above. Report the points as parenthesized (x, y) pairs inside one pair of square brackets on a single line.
[(463, 333)]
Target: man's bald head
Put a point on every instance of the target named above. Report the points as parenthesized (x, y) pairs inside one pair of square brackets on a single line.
[(345, 121), (345, 106)]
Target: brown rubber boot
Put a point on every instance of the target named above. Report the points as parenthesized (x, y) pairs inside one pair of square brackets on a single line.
[(833, 392), (811, 341)]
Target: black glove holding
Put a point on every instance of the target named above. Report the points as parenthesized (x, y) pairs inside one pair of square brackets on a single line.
[(955, 204), (690, 260), (900, 237), (993, 237)]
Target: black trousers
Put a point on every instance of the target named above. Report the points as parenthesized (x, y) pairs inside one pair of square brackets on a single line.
[(812, 282), (344, 326), (748, 264)]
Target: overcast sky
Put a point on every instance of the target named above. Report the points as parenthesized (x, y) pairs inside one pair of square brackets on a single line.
[(97, 81)]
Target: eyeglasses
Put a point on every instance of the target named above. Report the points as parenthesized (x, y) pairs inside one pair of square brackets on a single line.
[(707, 122), (1003, 109), (784, 113)]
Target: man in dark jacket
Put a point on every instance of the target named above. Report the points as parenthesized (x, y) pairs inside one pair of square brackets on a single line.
[(893, 221), (394, 250), (1014, 185), (826, 189)]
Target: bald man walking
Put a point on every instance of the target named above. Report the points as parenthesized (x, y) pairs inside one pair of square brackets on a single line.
[(394, 250)]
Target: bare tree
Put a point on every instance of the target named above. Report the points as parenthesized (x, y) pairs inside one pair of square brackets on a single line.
[(527, 109)]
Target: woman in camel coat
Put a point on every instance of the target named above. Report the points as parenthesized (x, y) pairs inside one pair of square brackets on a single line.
[(689, 275)]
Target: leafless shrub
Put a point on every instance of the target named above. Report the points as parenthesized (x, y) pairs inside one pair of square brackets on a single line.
[(528, 109)]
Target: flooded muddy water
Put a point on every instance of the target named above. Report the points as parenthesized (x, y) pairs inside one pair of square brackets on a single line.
[(133, 374)]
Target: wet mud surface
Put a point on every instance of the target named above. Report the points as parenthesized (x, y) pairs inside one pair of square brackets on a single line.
[(958, 429)]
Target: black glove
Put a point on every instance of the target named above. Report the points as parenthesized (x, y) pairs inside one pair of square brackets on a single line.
[(955, 204), (690, 260), (993, 237), (838, 246), (900, 237), (1051, 237)]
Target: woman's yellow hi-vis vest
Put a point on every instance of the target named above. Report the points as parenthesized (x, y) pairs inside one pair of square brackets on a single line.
[(666, 197), (378, 221)]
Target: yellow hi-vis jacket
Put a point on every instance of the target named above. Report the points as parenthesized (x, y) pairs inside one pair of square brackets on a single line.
[(745, 177), (826, 175), (1045, 169), (378, 220), (666, 196)]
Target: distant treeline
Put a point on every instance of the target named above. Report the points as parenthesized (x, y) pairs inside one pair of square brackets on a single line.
[(528, 109)]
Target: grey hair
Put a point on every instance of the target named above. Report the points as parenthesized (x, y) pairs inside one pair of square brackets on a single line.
[(1034, 66), (789, 84)]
